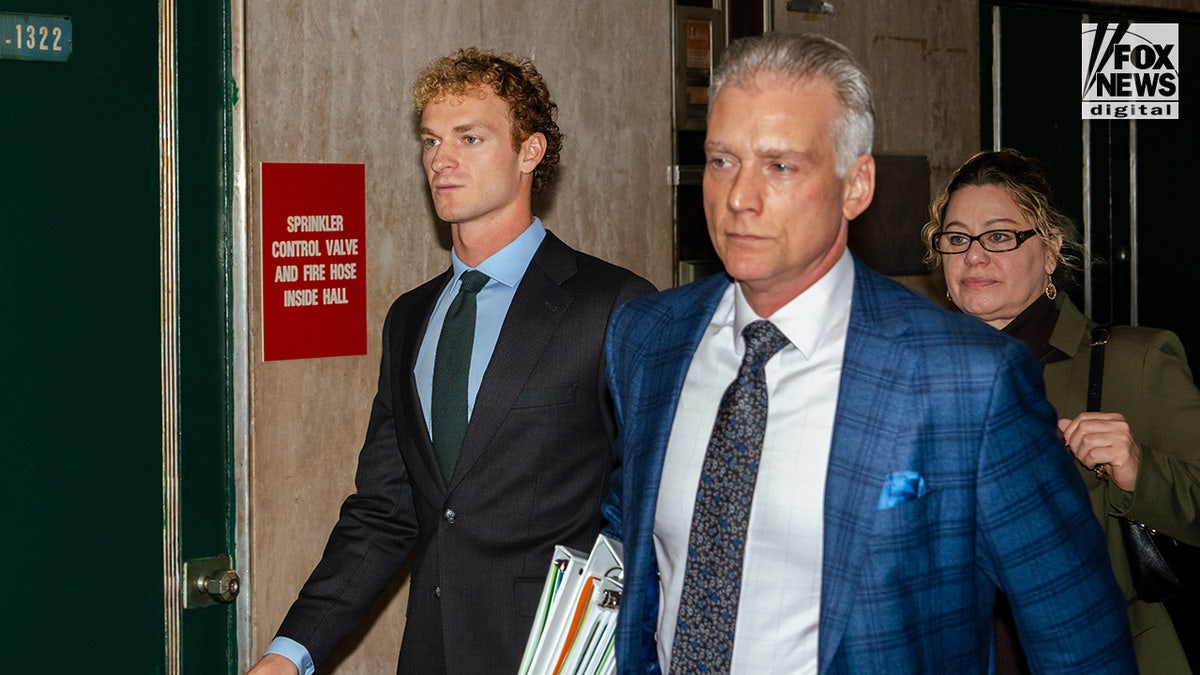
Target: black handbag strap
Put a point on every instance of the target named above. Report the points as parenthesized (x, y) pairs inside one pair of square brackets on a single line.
[(1096, 371)]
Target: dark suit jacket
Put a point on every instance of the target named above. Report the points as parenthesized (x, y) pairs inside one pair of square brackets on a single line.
[(953, 409), (532, 473)]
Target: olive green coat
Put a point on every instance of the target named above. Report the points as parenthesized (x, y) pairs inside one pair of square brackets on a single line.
[(1147, 379)]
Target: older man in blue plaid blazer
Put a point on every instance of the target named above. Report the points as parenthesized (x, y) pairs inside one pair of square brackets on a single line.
[(919, 441)]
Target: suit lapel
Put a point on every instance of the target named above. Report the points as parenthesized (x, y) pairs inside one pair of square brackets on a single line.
[(537, 308), (861, 452), (667, 357), (412, 324)]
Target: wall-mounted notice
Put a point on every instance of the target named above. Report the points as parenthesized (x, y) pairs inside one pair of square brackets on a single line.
[(314, 289)]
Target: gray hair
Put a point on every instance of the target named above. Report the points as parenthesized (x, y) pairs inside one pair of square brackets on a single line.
[(802, 57)]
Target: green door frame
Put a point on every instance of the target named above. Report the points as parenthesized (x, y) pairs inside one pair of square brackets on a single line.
[(203, 420)]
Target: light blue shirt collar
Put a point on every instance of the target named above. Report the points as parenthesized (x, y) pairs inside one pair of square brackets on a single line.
[(507, 265)]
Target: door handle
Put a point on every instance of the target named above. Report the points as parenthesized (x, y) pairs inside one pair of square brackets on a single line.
[(210, 581), (222, 586)]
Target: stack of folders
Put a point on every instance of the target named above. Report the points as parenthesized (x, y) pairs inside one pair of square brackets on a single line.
[(573, 630)]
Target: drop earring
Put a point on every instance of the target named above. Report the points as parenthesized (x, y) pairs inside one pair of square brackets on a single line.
[(1051, 290)]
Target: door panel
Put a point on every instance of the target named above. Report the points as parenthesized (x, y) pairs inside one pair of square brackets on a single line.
[(82, 406), (1168, 214), (206, 488)]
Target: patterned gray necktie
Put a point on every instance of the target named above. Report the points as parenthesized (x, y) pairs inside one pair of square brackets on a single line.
[(712, 579)]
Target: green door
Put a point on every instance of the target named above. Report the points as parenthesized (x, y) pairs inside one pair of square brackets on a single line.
[(115, 381)]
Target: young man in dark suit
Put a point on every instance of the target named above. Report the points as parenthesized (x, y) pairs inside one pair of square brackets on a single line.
[(479, 457)]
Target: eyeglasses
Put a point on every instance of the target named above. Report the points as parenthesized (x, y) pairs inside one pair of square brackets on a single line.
[(995, 241)]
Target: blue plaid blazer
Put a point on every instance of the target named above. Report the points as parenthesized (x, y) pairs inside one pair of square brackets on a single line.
[(946, 482)]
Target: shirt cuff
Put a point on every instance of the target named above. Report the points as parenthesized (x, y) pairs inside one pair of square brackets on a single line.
[(293, 651)]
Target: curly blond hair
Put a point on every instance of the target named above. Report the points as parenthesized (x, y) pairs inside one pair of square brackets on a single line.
[(1030, 191), (515, 80)]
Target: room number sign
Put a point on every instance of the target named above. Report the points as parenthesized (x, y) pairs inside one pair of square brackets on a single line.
[(34, 37)]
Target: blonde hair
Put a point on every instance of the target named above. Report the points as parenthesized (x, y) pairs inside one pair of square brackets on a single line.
[(515, 80)]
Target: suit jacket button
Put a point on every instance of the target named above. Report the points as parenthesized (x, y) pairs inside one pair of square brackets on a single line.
[(437, 591), (450, 515)]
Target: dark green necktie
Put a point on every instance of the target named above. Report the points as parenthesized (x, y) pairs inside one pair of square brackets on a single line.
[(451, 368)]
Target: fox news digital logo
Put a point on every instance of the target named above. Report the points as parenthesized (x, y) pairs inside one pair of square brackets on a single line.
[(1130, 71)]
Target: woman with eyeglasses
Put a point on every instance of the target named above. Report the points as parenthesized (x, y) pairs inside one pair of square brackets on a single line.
[(1006, 254)]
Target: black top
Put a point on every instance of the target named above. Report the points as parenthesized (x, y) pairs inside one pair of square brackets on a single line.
[(1034, 325)]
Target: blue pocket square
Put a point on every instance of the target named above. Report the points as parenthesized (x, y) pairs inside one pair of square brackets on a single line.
[(900, 487)]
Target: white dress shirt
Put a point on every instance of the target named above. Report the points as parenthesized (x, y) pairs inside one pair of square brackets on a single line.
[(780, 604)]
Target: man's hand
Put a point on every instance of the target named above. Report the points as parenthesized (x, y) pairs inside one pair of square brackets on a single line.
[(274, 664)]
